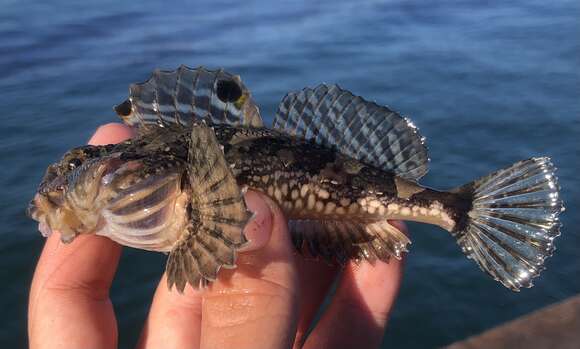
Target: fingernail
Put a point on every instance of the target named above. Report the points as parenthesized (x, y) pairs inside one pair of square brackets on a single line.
[(111, 133), (259, 229)]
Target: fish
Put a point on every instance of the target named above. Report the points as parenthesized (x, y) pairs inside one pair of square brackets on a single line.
[(340, 167)]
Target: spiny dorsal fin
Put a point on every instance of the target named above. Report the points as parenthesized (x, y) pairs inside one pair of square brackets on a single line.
[(185, 95), (361, 129), (218, 216)]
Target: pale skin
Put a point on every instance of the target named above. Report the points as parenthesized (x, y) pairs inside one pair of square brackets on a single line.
[(269, 301)]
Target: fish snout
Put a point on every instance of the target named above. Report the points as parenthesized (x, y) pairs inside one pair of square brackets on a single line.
[(32, 210)]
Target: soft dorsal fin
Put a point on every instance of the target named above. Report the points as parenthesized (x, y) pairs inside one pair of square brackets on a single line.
[(186, 95), (363, 130)]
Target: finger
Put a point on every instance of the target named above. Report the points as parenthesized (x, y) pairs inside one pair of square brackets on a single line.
[(174, 319), (315, 279), (255, 305), (358, 312), (69, 304), (111, 133)]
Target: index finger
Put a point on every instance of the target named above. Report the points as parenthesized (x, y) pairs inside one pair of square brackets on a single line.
[(69, 305)]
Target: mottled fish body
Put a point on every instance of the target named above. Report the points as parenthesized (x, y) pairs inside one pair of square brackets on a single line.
[(339, 166)]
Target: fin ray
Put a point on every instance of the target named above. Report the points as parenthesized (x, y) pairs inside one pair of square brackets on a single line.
[(340, 241), (510, 229), (216, 230), (183, 96), (368, 132)]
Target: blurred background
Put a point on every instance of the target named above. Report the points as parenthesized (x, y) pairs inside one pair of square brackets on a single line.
[(488, 83)]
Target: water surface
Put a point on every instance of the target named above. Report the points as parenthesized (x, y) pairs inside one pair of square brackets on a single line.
[(487, 85)]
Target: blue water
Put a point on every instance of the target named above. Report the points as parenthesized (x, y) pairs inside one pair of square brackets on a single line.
[(487, 85)]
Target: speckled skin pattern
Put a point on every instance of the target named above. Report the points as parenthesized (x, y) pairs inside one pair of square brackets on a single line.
[(338, 208), (305, 179)]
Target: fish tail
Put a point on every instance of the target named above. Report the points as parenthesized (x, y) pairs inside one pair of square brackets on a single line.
[(512, 222)]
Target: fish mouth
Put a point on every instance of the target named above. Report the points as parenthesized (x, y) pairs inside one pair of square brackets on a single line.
[(44, 229), (37, 209), (52, 195), (32, 210)]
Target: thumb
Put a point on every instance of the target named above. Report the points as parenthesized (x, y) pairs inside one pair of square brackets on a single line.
[(259, 230), (261, 293), (269, 251)]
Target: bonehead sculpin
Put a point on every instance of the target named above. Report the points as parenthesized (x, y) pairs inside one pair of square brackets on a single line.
[(339, 166)]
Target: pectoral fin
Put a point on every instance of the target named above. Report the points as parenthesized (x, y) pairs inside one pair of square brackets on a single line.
[(218, 215)]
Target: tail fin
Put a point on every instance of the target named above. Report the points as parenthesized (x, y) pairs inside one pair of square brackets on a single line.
[(510, 228)]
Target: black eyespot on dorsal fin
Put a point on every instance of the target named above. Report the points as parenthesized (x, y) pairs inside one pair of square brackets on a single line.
[(123, 109), (228, 91), (185, 96)]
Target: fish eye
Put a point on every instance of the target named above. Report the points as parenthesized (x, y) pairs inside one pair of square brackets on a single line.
[(74, 163), (123, 109), (228, 91)]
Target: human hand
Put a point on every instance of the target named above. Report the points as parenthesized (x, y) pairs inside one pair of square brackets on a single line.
[(268, 301)]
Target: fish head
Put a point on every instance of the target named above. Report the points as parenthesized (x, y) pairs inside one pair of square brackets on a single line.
[(51, 190), (69, 190)]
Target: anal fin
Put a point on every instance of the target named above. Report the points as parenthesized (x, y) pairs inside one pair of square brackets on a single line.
[(389, 241), (342, 240)]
